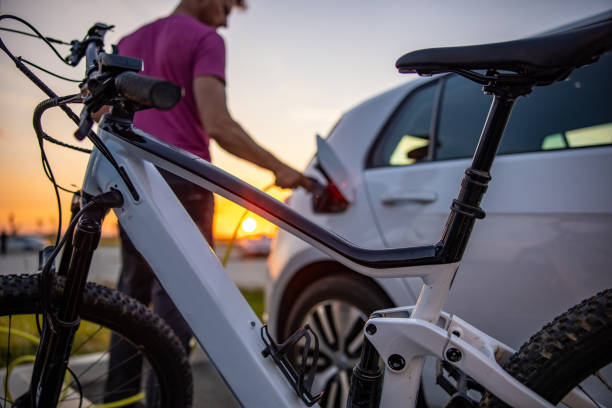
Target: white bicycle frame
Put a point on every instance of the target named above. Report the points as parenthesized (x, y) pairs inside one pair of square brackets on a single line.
[(226, 327)]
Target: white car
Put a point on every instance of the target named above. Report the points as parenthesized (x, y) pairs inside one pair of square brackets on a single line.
[(543, 246)]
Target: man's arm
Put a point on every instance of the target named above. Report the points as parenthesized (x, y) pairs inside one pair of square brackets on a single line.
[(209, 93)]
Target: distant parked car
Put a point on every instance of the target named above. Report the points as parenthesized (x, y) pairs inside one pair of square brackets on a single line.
[(544, 245), (24, 243), (258, 246)]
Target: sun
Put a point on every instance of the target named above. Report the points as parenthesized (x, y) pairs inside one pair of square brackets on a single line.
[(248, 225)]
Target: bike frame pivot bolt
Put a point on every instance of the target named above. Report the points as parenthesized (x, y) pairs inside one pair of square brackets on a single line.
[(453, 355), (371, 329), (396, 362)]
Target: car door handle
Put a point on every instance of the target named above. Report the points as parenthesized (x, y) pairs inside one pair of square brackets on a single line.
[(418, 197)]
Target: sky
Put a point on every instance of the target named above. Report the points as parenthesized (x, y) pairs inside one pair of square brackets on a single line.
[(293, 67)]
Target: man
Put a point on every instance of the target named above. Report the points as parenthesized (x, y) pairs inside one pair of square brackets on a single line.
[(185, 49)]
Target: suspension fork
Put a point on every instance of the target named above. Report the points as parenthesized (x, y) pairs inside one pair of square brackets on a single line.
[(75, 206), (61, 322)]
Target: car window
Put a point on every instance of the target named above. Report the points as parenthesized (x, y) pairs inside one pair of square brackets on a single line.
[(569, 114), (463, 111), (405, 138)]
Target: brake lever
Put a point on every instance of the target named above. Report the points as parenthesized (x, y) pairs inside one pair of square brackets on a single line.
[(84, 125), (98, 91)]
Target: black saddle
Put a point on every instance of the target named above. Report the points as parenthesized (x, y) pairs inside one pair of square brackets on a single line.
[(537, 61)]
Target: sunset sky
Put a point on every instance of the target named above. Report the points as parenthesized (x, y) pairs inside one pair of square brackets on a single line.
[(292, 68)]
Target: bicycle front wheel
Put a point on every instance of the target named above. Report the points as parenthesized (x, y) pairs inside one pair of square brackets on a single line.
[(156, 372), (574, 350)]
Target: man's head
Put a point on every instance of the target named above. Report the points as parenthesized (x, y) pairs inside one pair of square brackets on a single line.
[(211, 12)]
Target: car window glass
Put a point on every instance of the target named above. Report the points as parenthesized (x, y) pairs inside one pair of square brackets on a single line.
[(590, 136), (462, 113), (568, 114), (577, 109), (405, 139)]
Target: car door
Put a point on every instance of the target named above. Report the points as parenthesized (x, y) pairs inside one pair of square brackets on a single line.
[(402, 182)]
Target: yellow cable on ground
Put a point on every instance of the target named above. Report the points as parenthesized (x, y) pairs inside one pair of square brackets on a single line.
[(20, 333), (235, 234), (123, 402), (36, 340), (32, 358), (9, 369)]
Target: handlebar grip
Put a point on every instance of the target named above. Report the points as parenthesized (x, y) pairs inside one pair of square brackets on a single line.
[(148, 91)]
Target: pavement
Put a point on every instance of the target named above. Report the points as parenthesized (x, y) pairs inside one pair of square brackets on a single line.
[(210, 389)]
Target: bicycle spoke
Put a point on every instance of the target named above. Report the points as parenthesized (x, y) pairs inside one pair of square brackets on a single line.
[(120, 388), (91, 365), (100, 358), (100, 377), (75, 350), (73, 397)]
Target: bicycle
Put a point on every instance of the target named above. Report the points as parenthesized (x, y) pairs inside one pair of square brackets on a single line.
[(122, 175)]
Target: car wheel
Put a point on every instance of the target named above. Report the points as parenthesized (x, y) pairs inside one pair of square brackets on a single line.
[(336, 308)]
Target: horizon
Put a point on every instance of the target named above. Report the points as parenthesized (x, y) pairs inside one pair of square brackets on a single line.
[(293, 68)]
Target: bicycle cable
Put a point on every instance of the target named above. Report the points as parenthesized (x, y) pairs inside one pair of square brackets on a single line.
[(38, 111), (92, 136), (50, 39), (78, 384), (46, 71), (37, 34)]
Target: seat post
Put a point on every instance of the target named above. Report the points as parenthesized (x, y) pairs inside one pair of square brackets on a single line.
[(466, 208), (492, 132)]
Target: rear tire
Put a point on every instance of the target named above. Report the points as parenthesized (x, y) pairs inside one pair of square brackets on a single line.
[(574, 346), (107, 309)]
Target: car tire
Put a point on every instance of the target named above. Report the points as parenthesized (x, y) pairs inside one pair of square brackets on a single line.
[(336, 307)]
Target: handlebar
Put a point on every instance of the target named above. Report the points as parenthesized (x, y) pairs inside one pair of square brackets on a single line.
[(148, 91)]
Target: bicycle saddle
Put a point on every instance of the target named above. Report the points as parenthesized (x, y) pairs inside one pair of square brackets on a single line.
[(538, 60)]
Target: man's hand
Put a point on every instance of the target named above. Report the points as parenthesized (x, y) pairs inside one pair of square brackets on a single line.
[(209, 93), (286, 177), (96, 116)]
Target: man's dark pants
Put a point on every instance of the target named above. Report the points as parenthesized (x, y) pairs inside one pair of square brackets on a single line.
[(137, 280)]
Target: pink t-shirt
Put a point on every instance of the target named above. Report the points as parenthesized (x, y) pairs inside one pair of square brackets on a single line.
[(177, 48)]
